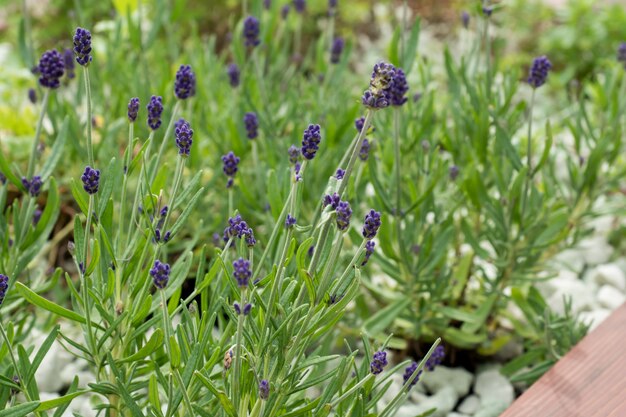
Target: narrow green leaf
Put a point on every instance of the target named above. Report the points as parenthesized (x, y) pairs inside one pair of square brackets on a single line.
[(57, 151), (39, 301), (155, 342), (383, 318)]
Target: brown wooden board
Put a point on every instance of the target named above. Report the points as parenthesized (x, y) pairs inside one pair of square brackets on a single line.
[(590, 381)]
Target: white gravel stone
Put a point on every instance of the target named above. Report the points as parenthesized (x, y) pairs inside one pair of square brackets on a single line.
[(495, 391), (610, 274), (595, 250), (580, 293), (444, 401), (455, 414), (595, 317), (469, 405), (458, 379), (610, 297)]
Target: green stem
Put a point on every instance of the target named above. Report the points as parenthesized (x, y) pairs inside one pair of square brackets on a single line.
[(90, 156), (529, 173), (236, 374), (352, 390), (355, 152), (168, 132), (33, 152)]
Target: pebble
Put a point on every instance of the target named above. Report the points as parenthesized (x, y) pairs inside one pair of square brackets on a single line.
[(610, 297), (470, 405), (578, 291), (610, 274), (495, 392), (594, 318), (444, 402), (459, 379)]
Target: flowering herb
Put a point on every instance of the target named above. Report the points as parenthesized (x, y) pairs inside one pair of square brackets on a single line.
[(290, 221), (233, 75), (155, 109), (230, 161), (299, 5), (379, 361), (294, 154), (399, 88), (436, 358), (185, 83), (465, 19), (378, 95), (245, 310), (340, 173), (32, 95), (184, 135), (372, 224), (4, 286), (160, 274), (369, 250), (251, 31), (487, 11), (264, 389), (133, 109), (33, 187), (251, 122), (408, 372), (284, 11), (242, 272), (344, 212), (453, 172), (82, 46), (50, 69), (365, 150), (91, 180), (68, 63), (539, 71), (336, 50), (311, 141), (621, 53)]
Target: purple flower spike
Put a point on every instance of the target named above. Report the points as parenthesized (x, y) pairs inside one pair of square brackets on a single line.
[(252, 124), (68, 63), (4, 286), (310, 141), (332, 201), (50, 69), (233, 75), (409, 371), (399, 88), (284, 11), (91, 180), (364, 152), (242, 272), (160, 273), (299, 5), (371, 225), (133, 109), (340, 173), (267, 4), (344, 212), (290, 221), (32, 95), (246, 309), (487, 11), (465, 19), (185, 84), (369, 250), (379, 361), (33, 187), (539, 71), (378, 94), (184, 135), (436, 358), (3, 178), (621, 53), (230, 161), (251, 31), (264, 389), (453, 172), (82, 46), (155, 109), (336, 50), (294, 154)]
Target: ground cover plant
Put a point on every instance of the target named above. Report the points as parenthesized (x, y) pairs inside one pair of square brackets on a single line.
[(253, 223)]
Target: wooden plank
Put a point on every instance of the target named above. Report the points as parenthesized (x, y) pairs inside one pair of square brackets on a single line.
[(590, 381)]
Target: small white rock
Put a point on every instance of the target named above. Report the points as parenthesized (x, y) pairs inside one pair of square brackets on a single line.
[(455, 414), (594, 318), (578, 291), (458, 379), (609, 274), (469, 405), (495, 391), (595, 250), (610, 297), (444, 401)]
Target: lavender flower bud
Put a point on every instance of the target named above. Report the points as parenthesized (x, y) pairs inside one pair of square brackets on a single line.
[(299, 5), (365, 150), (379, 361), (91, 180), (252, 124), (82, 46), (344, 212), (32, 95), (155, 109), (378, 94), (310, 141), (621, 53), (3, 179), (359, 122), (371, 225), (185, 83), (233, 75), (436, 358), (242, 272), (399, 88), (284, 11), (133, 109), (408, 372), (251, 31), (4, 286), (340, 173), (50, 69), (336, 50), (539, 71), (487, 11), (264, 389), (33, 187), (36, 217), (68, 63), (237, 308), (294, 154), (290, 221), (453, 172), (465, 19), (267, 4), (246, 309), (369, 250), (332, 201), (230, 161), (184, 135), (160, 273)]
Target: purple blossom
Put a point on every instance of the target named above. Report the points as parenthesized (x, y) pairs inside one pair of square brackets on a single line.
[(4, 286), (294, 154), (91, 180), (344, 212), (267, 4), (436, 358), (408, 372), (465, 19), (3, 178), (332, 200), (233, 75), (155, 109), (184, 135), (245, 310), (33, 187), (133, 109), (371, 225), (378, 94), (399, 88), (160, 273), (290, 221), (251, 122), (238, 228), (299, 5), (621, 53), (539, 71), (50, 69), (336, 50), (251, 31), (310, 141), (487, 11), (68, 63), (264, 389), (369, 250), (32, 95), (340, 173), (284, 11), (230, 168), (185, 83), (365, 150), (242, 272), (379, 361), (82, 46), (453, 172)]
